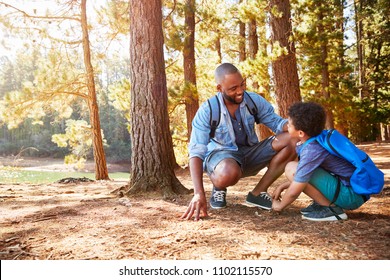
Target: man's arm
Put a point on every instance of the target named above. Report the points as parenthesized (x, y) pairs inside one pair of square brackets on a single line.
[(198, 203), (285, 127)]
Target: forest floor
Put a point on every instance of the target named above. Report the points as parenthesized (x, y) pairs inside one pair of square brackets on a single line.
[(86, 220)]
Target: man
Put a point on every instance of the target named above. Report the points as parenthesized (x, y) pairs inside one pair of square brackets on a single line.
[(234, 151)]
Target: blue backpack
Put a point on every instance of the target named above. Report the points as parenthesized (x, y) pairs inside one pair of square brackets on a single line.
[(215, 111), (367, 179)]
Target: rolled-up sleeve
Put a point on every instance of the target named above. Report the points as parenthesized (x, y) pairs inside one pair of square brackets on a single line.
[(200, 135), (268, 116)]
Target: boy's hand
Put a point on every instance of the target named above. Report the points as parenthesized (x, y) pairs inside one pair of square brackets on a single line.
[(277, 194), (276, 206)]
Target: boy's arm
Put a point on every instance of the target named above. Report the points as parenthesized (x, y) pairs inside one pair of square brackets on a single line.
[(291, 194)]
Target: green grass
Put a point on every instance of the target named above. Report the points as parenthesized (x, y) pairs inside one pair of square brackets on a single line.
[(14, 175)]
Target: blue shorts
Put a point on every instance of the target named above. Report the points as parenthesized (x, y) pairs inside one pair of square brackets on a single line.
[(251, 158), (326, 183)]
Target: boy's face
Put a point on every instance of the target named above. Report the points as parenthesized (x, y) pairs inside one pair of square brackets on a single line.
[(294, 133)]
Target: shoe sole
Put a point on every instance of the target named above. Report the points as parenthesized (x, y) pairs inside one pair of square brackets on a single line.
[(257, 205), (331, 218), (217, 207)]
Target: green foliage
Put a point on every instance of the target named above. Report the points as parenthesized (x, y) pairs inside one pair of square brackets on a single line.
[(78, 138), (119, 95), (356, 108)]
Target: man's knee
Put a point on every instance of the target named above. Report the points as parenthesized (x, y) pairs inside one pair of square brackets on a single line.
[(290, 170), (227, 173), (284, 141)]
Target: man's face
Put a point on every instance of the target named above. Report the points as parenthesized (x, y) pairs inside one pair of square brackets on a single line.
[(232, 88)]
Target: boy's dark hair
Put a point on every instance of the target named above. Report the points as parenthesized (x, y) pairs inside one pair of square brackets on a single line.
[(310, 117)]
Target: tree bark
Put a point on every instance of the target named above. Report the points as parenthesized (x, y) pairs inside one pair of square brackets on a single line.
[(152, 157), (285, 71), (218, 47), (262, 131), (190, 93), (358, 5), (101, 171), (242, 40), (325, 79)]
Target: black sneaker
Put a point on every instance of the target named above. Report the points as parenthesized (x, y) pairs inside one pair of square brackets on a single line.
[(263, 200), (314, 206), (218, 199), (326, 213)]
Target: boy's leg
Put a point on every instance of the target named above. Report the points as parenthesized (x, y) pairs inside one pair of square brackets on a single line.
[(316, 195), (290, 170), (322, 188)]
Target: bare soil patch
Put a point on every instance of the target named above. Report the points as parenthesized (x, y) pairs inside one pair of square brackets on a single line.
[(85, 220)]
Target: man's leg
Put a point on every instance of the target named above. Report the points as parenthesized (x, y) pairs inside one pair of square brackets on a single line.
[(224, 170), (226, 173), (285, 148)]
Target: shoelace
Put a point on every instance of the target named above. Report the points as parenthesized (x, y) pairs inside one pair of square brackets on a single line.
[(266, 196), (219, 195)]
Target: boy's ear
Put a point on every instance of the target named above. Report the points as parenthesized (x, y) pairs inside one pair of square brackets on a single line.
[(301, 133), (219, 88)]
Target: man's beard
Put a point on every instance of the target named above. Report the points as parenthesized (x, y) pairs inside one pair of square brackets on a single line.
[(231, 99)]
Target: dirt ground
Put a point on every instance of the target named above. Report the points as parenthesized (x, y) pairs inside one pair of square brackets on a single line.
[(85, 220)]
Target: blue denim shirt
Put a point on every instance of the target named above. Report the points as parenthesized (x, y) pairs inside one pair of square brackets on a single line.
[(200, 143)]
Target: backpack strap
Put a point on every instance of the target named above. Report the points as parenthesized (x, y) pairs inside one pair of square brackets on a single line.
[(215, 114), (215, 111), (337, 191), (250, 104)]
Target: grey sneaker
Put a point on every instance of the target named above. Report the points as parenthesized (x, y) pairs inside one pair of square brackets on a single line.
[(314, 206), (326, 213), (218, 199), (263, 200)]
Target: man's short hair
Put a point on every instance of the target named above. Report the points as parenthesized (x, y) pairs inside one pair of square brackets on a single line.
[(224, 69), (310, 117)]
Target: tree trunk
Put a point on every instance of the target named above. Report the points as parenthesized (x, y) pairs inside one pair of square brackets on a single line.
[(152, 157), (218, 48), (101, 172), (253, 39), (190, 93), (262, 131), (285, 71), (338, 81), (360, 48), (242, 40), (325, 80)]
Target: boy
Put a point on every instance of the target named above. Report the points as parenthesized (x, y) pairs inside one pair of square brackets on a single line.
[(317, 173)]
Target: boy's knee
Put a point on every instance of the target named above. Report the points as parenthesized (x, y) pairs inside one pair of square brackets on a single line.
[(290, 170)]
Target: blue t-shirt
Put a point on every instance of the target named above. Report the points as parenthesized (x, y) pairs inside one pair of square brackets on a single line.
[(239, 130), (313, 156)]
